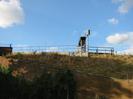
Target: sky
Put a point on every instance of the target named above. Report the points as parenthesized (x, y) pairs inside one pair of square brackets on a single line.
[(62, 22)]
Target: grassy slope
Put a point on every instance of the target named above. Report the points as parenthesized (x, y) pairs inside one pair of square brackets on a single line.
[(4, 61), (92, 73), (112, 66)]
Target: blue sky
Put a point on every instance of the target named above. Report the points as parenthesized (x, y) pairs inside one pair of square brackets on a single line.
[(62, 22)]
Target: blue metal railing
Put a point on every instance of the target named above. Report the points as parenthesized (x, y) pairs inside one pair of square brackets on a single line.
[(5, 45), (101, 50), (64, 48)]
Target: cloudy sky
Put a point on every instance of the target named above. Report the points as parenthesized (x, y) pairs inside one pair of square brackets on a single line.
[(62, 22)]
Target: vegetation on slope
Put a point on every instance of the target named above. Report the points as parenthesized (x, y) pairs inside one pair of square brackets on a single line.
[(104, 65), (57, 85), (93, 75)]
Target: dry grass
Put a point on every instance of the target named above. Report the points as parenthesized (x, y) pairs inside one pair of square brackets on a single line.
[(4, 61), (95, 74), (105, 65), (102, 86)]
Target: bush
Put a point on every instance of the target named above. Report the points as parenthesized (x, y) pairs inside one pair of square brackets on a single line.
[(5, 70), (58, 85)]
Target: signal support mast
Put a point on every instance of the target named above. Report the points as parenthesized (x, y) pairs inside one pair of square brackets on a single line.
[(83, 42)]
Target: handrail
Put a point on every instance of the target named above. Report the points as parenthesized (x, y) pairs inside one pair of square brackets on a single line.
[(68, 48), (100, 50), (5, 45)]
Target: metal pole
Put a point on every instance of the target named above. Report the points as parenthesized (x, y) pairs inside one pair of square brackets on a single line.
[(88, 34), (88, 44)]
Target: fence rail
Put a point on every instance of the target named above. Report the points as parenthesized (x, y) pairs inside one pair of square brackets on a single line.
[(5, 45), (101, 50), (64, 48)]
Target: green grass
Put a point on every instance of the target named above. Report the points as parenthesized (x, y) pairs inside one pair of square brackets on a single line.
[(5, 69)]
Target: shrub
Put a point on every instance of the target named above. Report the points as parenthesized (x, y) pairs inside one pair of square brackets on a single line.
[(5, 70), (58, 85)]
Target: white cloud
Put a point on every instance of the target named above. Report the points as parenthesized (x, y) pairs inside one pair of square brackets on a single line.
[(122, 40), (113, 21), (117, 38), (125, 5), (11, 13)]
